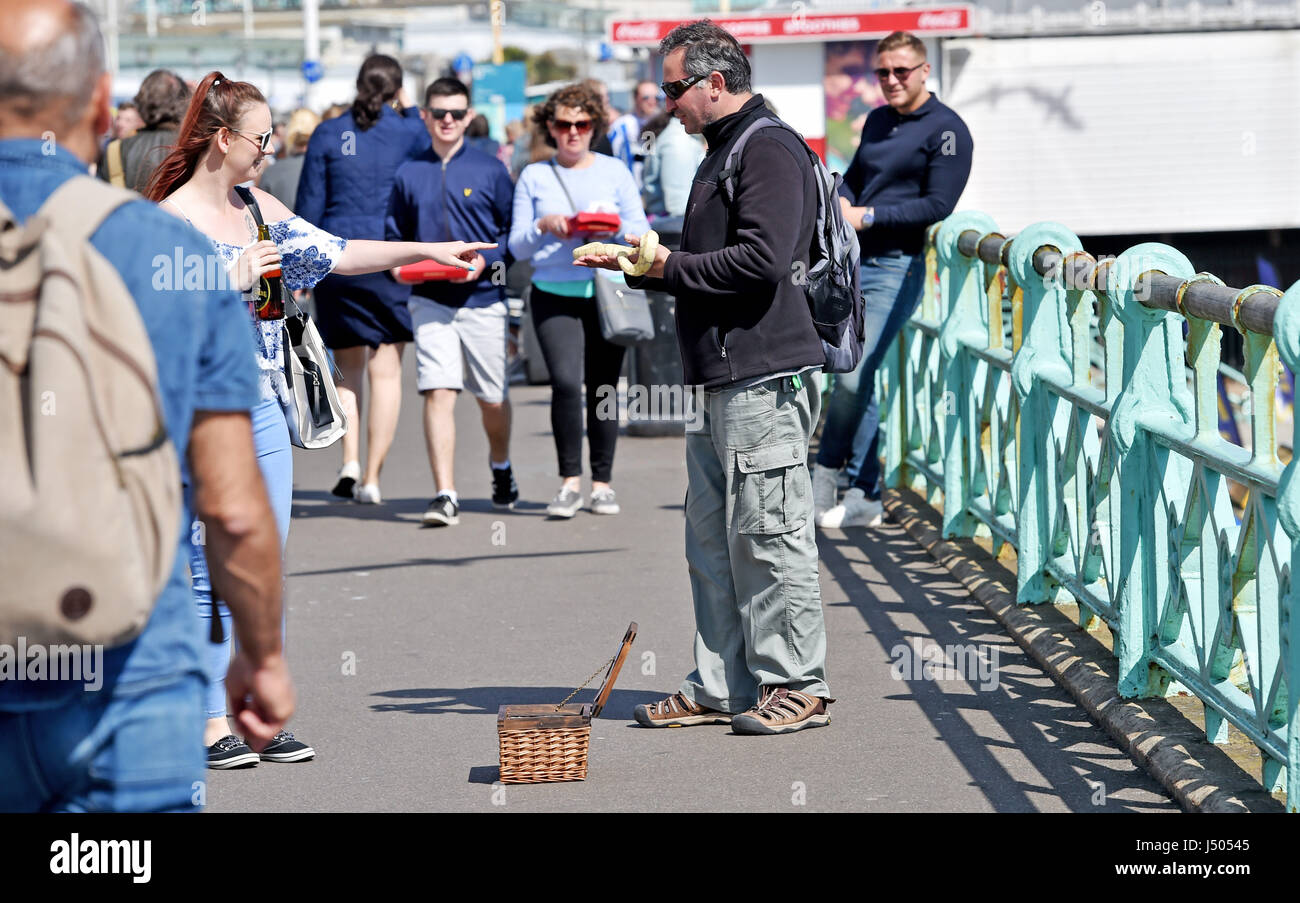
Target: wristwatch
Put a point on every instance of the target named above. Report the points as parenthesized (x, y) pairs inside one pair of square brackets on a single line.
[(868, 217)]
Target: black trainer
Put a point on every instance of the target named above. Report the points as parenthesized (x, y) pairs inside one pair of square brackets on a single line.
[(504, 491), (284, 748), (231, 752), (442, 512)]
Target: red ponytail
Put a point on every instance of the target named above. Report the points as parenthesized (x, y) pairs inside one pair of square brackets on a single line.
[(217, 103)]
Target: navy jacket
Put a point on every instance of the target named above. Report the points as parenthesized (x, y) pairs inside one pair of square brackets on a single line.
[(465, 198), (912, 169), (347, 176)]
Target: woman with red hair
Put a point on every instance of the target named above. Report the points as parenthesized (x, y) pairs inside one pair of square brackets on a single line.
[(223, 141)]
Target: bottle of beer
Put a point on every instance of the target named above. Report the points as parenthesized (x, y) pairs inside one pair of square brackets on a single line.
[(270, 291)]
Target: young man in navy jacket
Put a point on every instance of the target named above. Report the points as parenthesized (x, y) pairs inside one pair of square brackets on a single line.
[(910, 168), (460, 325)]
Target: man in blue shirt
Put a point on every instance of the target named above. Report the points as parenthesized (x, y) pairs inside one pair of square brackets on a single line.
[(460, 325), (134, 743), (909, 170)]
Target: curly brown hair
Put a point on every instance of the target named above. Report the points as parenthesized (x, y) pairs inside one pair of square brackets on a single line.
[(574, 95)]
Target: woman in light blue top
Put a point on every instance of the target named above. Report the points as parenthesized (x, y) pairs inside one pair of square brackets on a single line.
[(223, 141), (562, 299)]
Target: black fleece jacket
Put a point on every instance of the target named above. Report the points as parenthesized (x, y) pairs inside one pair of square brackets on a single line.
[(741, 310)]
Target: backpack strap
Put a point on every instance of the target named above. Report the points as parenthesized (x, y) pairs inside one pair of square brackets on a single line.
[(727, 177), (116, 175), (80, 205)]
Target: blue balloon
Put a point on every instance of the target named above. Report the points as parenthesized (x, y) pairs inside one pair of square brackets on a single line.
[(312, 70), (606, 52), (463, 63)]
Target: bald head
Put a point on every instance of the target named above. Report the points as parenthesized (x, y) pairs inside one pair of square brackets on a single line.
[(51, 67)]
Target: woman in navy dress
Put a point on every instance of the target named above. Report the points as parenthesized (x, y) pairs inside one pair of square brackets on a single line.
[(347, 177)]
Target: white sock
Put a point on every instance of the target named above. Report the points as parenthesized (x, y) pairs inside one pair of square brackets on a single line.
[(496, 466), (451, 494)]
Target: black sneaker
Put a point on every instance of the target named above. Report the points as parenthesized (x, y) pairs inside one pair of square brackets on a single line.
[(231, 752), (504, 491), (284, 748), (442, 512)]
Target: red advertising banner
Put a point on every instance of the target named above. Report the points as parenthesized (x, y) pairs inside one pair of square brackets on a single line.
[(801, 26)]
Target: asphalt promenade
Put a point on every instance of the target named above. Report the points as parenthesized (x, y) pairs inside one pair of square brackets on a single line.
[(404, 640)]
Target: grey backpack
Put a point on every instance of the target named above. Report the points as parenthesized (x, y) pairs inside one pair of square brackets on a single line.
[(90, 502), (832, 281)]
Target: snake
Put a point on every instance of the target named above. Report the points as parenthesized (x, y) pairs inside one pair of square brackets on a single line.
[(645, 253)]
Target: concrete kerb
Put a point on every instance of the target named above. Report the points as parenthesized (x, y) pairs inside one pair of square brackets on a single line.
[(1155, 735)]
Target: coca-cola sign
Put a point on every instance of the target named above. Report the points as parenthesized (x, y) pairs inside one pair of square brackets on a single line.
[(803, 26)]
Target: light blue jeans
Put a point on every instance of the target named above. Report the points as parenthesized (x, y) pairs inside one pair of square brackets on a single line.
[(891, 288), (275, 459), (751, 546)]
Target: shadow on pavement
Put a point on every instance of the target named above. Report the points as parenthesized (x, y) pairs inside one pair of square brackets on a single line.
[(467, 559), (486, 700), (1041, 720)]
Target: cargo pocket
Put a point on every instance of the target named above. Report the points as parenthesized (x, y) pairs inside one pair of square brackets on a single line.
[(773, 489)]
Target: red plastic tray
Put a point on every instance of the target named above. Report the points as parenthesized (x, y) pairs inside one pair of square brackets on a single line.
[(428, 271)]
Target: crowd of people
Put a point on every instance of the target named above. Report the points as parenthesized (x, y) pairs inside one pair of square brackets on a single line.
[(350, 200)]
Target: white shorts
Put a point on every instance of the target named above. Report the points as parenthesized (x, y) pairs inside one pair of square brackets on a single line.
[(460, 347)]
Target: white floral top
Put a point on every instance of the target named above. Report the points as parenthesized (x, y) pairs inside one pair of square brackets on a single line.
[(307, 255)]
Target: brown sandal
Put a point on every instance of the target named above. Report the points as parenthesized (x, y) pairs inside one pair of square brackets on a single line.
[(677, 711), (781, 710)]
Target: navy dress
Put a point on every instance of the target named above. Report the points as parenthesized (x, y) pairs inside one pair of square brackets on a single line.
[(347, 177)]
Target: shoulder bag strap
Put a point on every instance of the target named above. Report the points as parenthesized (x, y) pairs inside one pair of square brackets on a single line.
[(555, 169)]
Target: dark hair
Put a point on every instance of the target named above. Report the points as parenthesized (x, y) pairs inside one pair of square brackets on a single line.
[(897, 40), (478, 127), (378, 82), (217, 103), (162, 99), (446, 87), (710, 49), (577, 95), (658, 122)]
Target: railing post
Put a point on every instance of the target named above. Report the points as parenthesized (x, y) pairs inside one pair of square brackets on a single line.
[(1286, 332), (966, 324), (1045, 350), (1154, 394)]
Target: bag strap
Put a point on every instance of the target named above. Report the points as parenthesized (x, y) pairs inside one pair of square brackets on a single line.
[(116, 175), (569, 197), (250, 202), (79, 206), (727, 177)]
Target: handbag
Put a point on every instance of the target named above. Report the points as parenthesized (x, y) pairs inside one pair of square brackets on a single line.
[(624, 311), (314, 415)]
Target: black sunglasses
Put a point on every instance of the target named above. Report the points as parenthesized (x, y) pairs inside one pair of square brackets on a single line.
[(457, 115), (676, 89), (898, 72)]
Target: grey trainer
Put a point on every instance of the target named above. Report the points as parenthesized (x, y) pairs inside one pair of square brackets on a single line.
[(565, 504), (604, 502)]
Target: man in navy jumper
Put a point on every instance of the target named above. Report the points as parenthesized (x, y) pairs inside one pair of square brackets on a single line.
[(460, 325), (909, 170)]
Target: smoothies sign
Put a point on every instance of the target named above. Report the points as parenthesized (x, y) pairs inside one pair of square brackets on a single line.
[(800, 26)]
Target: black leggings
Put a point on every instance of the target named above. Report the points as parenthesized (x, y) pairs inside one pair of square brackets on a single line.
[(568, 330)]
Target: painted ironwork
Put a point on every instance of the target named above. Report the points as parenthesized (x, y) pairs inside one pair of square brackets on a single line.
[(1108, 474)]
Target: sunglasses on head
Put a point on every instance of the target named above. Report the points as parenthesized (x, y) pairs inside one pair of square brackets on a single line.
[(438, 113), (898, 72), (263, 138), (674, 90), (563, 125)]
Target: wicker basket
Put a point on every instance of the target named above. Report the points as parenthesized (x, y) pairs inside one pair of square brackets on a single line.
[(541, 744)]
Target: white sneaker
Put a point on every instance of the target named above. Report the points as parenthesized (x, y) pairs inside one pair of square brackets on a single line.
[(824, 489), (855, 511), (368, 494), (349, 477)]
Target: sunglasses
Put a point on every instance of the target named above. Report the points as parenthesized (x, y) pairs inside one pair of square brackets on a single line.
[(263, 138), (438, 114), (898, 72), (676, 89), (563, 125)]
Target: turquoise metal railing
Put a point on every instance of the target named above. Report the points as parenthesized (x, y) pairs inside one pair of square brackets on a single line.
[(1114, 486)]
